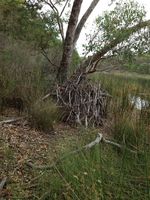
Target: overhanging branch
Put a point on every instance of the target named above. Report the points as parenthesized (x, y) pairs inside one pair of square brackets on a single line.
[(124, 34), (59, 21)]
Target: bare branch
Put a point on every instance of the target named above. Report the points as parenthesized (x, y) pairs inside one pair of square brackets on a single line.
[(86, 147), (46, 56), (3, 183), (63, 8), (100, 138), (59, 21), (125, 34), (13, 120), (52, 5)]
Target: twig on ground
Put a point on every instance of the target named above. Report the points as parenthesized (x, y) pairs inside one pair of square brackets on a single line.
[(13, 120), (3, 183), (117, 145)]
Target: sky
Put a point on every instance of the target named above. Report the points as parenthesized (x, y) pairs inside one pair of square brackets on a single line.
[(100, 8)]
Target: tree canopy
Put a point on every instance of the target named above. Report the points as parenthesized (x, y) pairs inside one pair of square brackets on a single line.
[(115, 24), (23, 20), (122, 30)]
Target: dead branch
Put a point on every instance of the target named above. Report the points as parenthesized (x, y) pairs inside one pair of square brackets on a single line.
[(117, 145), (3, 183), (44, 53), (46, 96), (86, 147), (13, 120), (100, 138), (59, 21)]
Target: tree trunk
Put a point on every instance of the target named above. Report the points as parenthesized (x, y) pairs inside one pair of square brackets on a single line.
[(89, 65), (84, 19), (124, 34), (68, 43)]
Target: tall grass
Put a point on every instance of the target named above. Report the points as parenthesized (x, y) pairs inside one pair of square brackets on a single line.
[(20, 71), (106, 172), (25, 77), (44, 115)]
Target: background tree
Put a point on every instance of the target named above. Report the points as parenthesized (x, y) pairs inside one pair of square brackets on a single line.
[(73, 30), (117, 30), (24, 21), (121, 30), (109, 27)]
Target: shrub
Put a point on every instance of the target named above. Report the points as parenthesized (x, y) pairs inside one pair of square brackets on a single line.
[(20, 71), (43, 115)]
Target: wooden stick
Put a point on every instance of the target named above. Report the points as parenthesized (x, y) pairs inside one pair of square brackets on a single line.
[(3, 183), (9, 121), (117, 145)]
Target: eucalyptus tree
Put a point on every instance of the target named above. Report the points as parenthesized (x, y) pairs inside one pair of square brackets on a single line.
[(123, 29), (73, 28), (23, 20)]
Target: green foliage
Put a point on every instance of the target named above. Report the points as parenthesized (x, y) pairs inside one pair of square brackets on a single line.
[(113, 24), (124, 15), (106, 172), (128, 123), (24, 21), (21, 71), (102, 173), (43, 115)]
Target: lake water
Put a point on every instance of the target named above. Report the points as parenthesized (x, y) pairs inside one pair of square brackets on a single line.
[(138, 102)]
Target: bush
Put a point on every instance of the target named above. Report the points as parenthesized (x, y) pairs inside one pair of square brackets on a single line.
[(20, 71), (43, 115)]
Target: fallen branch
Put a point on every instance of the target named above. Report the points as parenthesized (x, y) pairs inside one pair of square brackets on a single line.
[(98, 139), (3, 183), (88, 146), (117, 145), (9, 121)]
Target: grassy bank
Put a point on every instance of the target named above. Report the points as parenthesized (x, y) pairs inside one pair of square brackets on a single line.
[(106, 172), (103, 172)]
